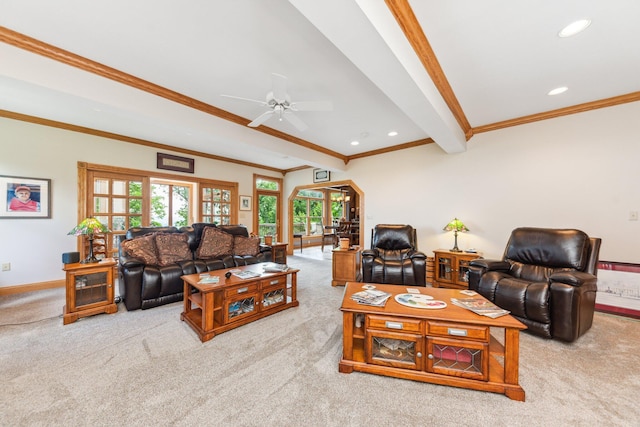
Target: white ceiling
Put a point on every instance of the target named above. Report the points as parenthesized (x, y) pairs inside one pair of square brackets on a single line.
[(499, 57)]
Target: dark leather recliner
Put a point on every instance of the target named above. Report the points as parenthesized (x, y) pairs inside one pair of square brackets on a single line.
[(393, 257), (546, 279)]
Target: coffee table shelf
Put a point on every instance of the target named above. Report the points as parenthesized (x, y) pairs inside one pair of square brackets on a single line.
[(450, 346)]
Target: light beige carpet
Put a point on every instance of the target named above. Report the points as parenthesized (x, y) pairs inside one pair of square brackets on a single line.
[(148, 368)]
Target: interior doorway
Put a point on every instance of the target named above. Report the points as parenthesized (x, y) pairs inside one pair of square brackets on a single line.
[(352, 211)]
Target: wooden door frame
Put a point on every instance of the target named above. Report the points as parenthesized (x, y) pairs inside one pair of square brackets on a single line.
[(295, 191)]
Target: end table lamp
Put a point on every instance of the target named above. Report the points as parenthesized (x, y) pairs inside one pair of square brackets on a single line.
[(89, 226), (456, 226)]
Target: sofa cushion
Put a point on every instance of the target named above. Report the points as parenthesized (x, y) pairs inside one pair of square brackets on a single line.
[(172, 247), (246, 245), (143, 247), (214, 243)]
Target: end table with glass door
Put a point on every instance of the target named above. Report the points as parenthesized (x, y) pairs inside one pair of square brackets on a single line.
[(89, 289), (452, 268)]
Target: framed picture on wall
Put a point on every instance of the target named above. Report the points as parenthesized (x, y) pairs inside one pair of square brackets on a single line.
[(618, 288), (23, 197), (245, 203), (321, 175)]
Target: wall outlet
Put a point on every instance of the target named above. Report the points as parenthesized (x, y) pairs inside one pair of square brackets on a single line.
[(633, 216), (6, 266)]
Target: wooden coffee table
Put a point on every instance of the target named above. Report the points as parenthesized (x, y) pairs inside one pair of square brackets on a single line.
[(211, 309), (448, 346)]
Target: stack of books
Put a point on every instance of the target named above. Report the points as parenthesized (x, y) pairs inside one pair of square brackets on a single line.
[(480, 306), (371, 297)]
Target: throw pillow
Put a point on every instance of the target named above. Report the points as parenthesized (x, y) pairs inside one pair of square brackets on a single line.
[(246, 245), (143, 247), (172, 247), (214, 243)]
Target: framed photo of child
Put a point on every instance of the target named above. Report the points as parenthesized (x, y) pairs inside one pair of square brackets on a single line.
[(22, 197)]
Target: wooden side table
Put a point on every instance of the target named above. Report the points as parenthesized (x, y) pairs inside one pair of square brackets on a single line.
[(279, 252), (452, 268), (347, 265), (89, 290)]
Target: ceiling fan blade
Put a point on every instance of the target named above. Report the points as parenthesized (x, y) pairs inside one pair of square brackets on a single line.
[(245, 99), (261, 119), (279, 84), (312, 106), (295, 120)]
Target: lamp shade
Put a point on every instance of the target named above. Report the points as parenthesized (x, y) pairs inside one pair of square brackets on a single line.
[(89, 226), (455, 225)]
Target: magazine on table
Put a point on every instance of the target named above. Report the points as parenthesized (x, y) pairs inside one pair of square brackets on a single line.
[(480, 306), (276, 268), (246, 274), (205, 279), (371, 297)]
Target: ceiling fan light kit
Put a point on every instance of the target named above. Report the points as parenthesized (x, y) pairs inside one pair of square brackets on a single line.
[(280, 105)]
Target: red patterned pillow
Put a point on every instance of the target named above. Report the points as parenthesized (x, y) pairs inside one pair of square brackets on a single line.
[(246, 245), (172, 247), (214, 243), (143, 247)]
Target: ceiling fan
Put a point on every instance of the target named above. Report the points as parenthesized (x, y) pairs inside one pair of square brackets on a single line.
[(280, 105)]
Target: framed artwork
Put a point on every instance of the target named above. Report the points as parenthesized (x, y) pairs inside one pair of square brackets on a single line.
[(245, 203), (25, 197), (321, 175), (175, 163), (618, 288)]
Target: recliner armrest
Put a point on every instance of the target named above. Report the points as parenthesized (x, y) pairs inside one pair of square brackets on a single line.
[(370, 253), (416, 255), (573, 278), (490, 264)]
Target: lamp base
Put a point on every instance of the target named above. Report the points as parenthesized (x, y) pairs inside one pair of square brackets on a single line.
[(90, 259), (455, 242)]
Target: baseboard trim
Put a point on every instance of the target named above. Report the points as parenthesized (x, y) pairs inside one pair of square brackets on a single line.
[(18, 289)]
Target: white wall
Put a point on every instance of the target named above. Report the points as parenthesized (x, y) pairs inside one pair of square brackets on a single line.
[(577, 171), (34, 246)]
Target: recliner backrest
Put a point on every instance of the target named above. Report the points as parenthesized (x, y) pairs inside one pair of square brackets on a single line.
[(393, 237), (536, 252)]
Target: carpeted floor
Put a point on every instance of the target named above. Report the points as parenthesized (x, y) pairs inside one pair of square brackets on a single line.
[(146, 367)]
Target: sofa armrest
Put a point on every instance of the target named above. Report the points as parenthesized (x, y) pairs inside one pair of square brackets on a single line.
[(264, 248), (573, 278), (130, 261)]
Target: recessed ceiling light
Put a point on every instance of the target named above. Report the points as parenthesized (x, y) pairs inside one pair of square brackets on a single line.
[(392, 133), (355, 142), (558, 90), (574, 28)]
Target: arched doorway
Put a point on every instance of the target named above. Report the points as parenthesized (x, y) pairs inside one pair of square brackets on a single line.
[(356, 209)]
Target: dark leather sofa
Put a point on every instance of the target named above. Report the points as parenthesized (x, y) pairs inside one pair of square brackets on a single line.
[(546, 279), (393, 257), (145, 286)]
